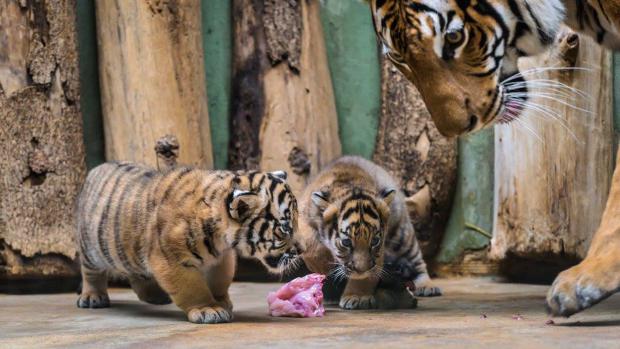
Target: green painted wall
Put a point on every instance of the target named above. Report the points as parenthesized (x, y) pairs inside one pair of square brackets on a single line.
[(355, 71), (470, 225), (217, 43), (90, 103), (616, 75)]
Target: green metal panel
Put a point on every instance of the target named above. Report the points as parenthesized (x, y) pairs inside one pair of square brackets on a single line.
[(217, 43), (90, 103), (471, 222), (616, 75), (355, 71)]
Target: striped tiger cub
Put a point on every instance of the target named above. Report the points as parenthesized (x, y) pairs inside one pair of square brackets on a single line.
[(353, 214), (175, 233)]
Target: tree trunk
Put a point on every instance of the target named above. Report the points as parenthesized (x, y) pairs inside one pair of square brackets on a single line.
[(283, 112), (412, 150), (552, 182), (153, 79), (283, 109), (42, 160)]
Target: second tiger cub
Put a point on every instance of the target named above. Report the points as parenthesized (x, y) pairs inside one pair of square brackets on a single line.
[(353, 213)]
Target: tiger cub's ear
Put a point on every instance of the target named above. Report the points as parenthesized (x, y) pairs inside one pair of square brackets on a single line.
[(279, 174), (242, 204), (322, 204), (319, 199), (388, 195)]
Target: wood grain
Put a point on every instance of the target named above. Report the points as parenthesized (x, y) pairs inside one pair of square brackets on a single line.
[(551, 188), (153, 79)]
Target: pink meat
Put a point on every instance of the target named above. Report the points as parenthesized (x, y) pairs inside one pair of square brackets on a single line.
[(302, 297)]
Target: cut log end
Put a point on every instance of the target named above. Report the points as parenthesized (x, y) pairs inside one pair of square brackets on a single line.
[(167, 149)]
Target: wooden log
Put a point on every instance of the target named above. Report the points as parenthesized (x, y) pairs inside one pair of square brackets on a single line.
[(410, 147), (552, 182), (42, 162), (153, 79), (283, 109)]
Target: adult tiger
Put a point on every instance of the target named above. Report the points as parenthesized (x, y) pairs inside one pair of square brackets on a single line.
[(175, 234), (462, 56)]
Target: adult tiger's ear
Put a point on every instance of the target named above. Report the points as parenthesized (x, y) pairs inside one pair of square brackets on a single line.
[(242, 204), (279, 174)]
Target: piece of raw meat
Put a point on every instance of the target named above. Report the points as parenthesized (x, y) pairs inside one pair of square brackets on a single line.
[(302, 297)]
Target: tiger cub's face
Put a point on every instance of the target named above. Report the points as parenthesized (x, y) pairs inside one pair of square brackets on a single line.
[(267, 212), (462, 55), (353, 228)]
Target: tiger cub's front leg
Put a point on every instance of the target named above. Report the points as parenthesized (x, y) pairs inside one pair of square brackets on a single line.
[(220, 277), (359, 294), (189, 290)]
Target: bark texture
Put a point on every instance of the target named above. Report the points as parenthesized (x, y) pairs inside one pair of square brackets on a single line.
[(153, 79), (283, 109), (412, 150), (551, 187), (42, 162)]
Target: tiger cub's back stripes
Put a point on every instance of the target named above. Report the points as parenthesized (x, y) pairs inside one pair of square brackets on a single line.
[(175, 233), (354, 210)]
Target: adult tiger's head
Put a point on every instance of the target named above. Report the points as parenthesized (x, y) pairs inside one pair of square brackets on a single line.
[(265, 207), (354, 227), (462, 54)]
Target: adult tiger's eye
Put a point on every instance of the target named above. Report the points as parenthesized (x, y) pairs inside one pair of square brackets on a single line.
[(454, 37), (346, 242)]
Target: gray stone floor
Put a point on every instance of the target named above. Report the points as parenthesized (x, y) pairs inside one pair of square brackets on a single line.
[(452, 321)]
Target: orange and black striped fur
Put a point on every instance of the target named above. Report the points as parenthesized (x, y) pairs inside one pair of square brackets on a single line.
[(175, 234), (462, 56), (353, 214)]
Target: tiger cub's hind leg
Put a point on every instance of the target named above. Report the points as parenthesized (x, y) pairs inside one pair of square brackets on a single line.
[(148, 291), (94, 292), (404, 253), (359, 294)]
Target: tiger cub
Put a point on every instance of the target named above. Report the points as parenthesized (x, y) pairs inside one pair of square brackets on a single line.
[(175, 234), (352, 213)]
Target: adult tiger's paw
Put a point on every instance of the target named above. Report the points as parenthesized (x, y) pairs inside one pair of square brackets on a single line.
[(579, 288), (93, 300), (355, 302), (209, 315)]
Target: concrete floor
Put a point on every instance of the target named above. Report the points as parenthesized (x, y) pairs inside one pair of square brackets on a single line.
[(452, 321)]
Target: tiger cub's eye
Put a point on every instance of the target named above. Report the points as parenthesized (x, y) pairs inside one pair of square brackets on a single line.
[(346, 242), (375, 241)]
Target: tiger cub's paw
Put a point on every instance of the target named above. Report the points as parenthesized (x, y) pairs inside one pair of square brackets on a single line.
[(426, 289), (355, 302), (93, 300), (209, 315), (225, 303)]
